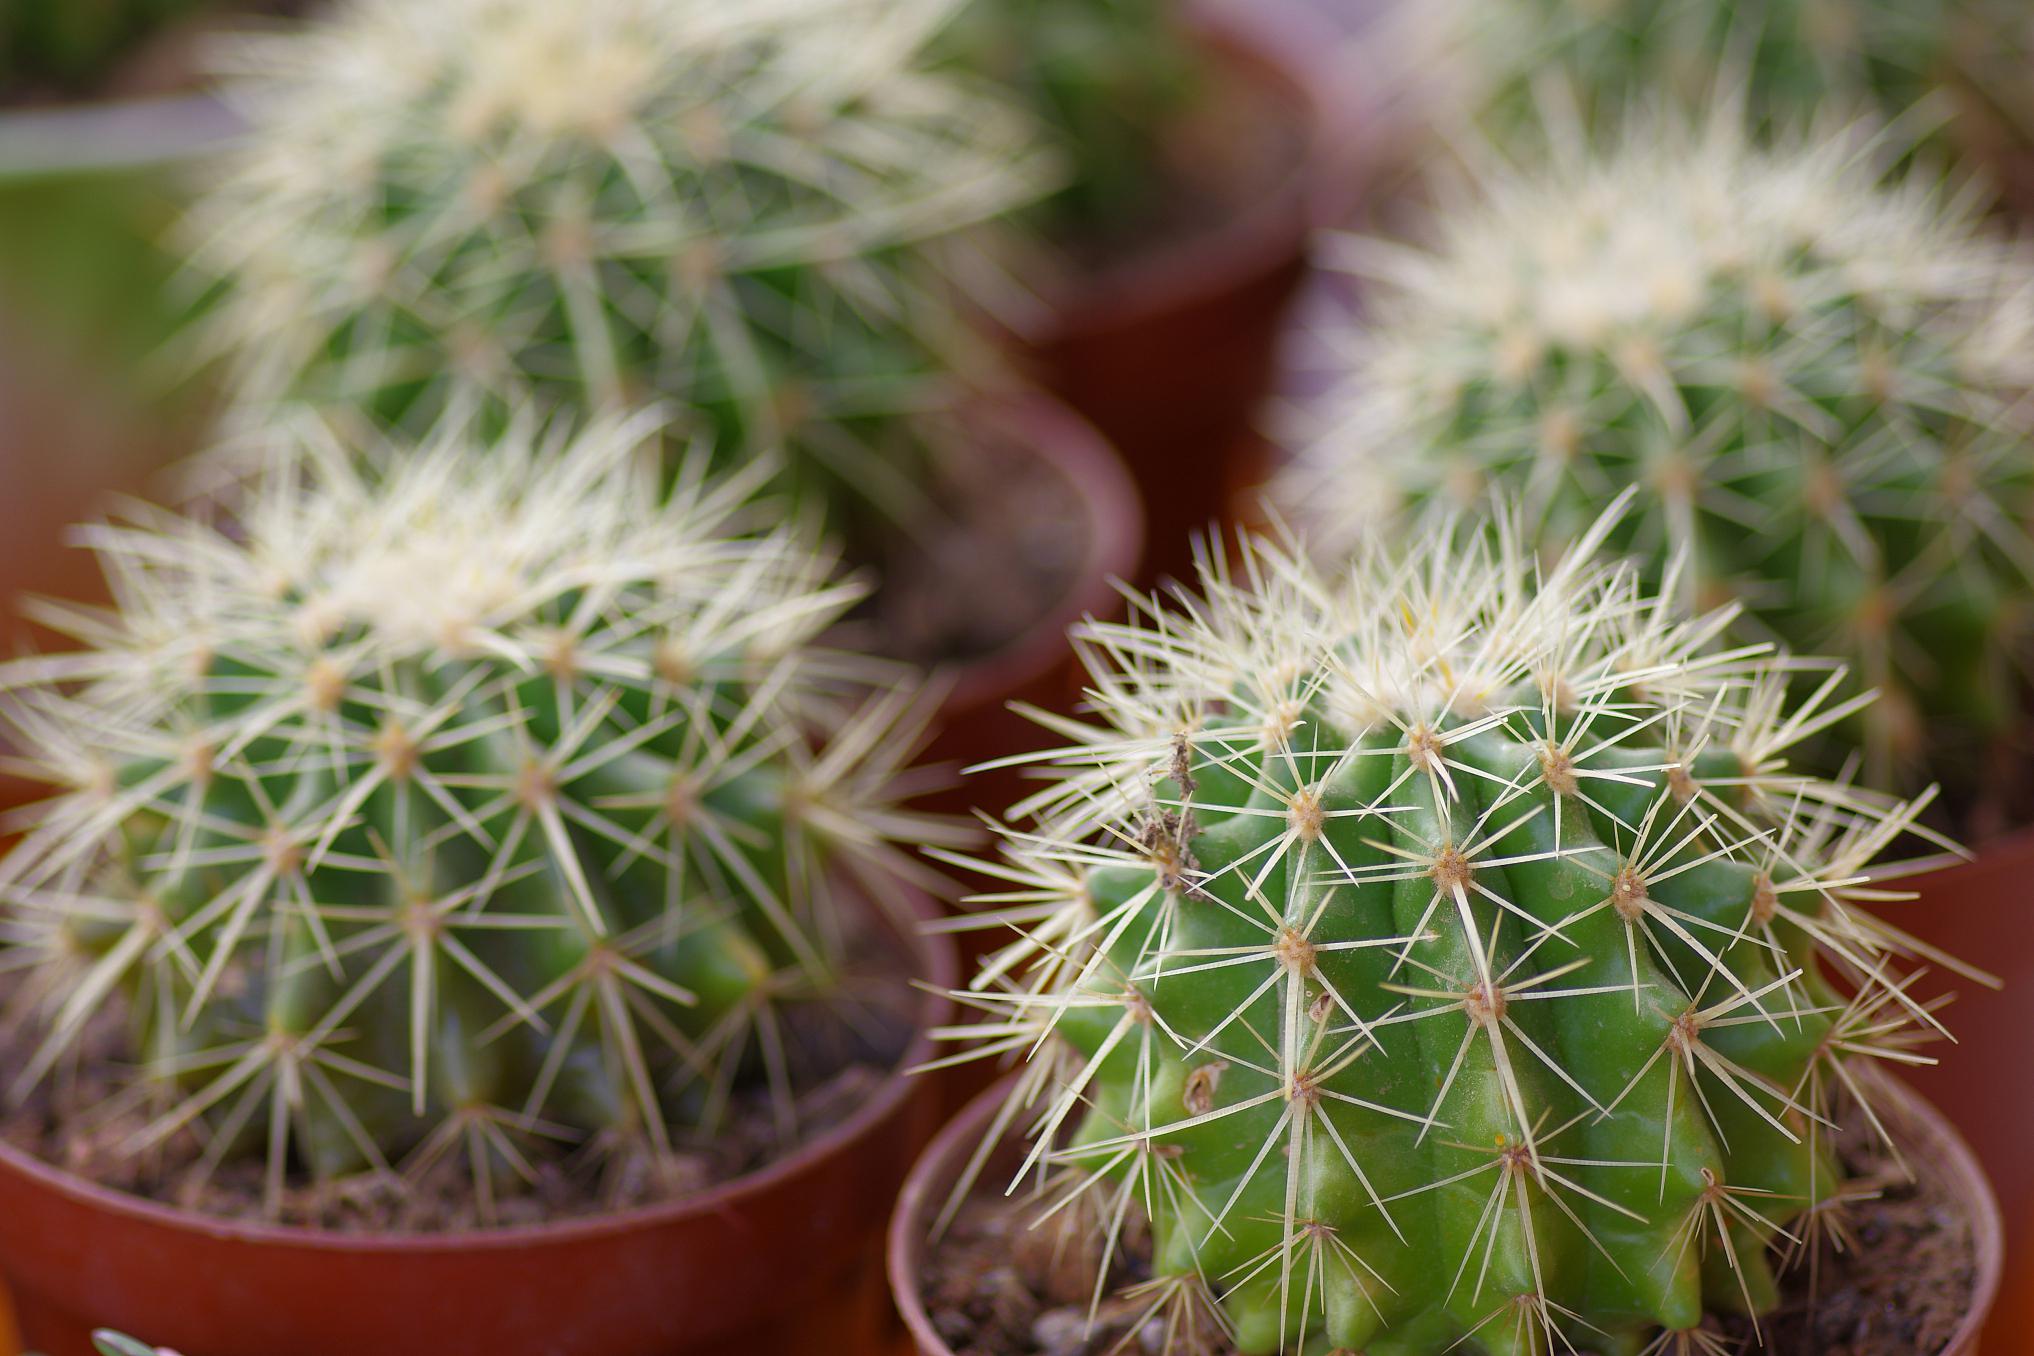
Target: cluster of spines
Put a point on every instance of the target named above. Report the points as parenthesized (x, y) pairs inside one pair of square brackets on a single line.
[(1816, 376), (493, 802), (1431, 952), (762, 211)]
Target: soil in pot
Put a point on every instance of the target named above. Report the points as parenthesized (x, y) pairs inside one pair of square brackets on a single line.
[(85, 1121), (1915, 1266)]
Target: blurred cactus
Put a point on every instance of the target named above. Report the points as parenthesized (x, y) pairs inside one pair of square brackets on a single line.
[(1107, 78), (1488, 62), (493, 806), (70, 46), (758, 209), (1438, 956), (1819, 379)]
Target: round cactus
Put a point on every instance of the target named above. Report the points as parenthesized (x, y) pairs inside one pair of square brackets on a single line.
[(1106, 78), (1435, 956), (753, 208), (1818, 378), (495, 806)]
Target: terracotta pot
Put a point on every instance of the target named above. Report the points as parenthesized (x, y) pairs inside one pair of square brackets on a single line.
[(975, 723), (1982, 912), (1929, 1136), (1169, 353), (785, 1261)]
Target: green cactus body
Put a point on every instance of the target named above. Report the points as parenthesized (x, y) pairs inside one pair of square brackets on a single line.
[(1436, 958), (1818, 381), (758, 211), (499, 805), (1108, 78)]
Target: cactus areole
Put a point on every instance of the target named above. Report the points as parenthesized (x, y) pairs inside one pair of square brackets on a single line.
[(1440, 956)]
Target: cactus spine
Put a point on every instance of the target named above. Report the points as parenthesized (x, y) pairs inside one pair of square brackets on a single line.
[(491, 806), (1440, 957), (1818, 379)]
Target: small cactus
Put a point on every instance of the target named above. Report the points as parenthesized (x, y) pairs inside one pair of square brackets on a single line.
[(498, 805), (1107, 78), (755, 209), (1819, 379), (1436, 956)]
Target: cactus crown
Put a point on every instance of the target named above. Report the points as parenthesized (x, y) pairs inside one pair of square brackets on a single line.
[(496, 805), (1817, 377), (1105, 77), (754, 208), (1435, 955)]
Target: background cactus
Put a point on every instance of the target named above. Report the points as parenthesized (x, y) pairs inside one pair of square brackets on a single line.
[(753, 208), (1437, 958), (495, 807), (68, 48), (1818, 378), (1107, 78), (1488, 62)]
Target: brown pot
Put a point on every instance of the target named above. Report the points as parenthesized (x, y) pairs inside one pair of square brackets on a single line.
[(1983, 912), (783, 1261), (975, 723), (1930, 1137), (1170, 353)]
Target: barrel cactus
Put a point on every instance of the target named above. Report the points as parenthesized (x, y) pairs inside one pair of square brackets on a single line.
[(1818, 377), (1429, 954), (1106, 78), (757, 209), (497, 806)]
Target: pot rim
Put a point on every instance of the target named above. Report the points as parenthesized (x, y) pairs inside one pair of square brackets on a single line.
[(1934, 1139), (1077, 452), (935, 970), (1276, 43)]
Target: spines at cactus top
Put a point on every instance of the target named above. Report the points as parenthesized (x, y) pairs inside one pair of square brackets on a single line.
[(501, 804), (758, 209), (1818, 378), (1436, 956)]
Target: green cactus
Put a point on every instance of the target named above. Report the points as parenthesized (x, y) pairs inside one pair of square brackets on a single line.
[(757, 209), (1108, 78), (71, 46), (1437, 958), (1489, 62), (1819, 378), (491, 807)]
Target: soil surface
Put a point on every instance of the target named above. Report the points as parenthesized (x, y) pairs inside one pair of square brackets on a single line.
[(86, 1117), (996, 1286), (1008, 544)]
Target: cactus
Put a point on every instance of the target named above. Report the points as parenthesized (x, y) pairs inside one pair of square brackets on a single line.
[(491, 807), (70, 47), (1818, 376), (757, 209), (1488, 62), (1425, 955), (1107, 78)]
